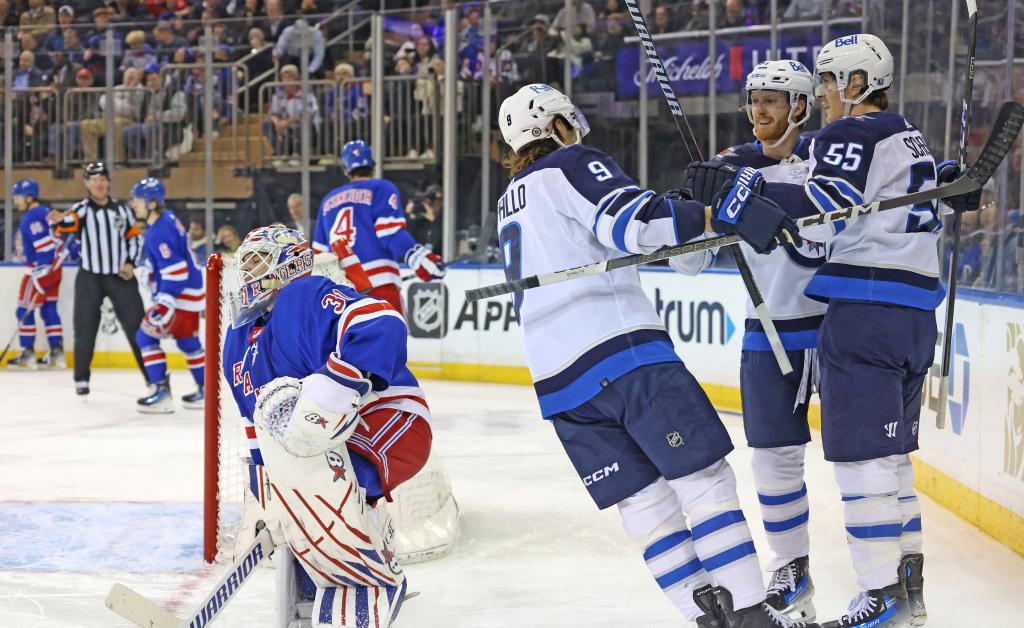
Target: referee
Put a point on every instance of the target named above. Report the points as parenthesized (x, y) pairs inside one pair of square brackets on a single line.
[(111, 245)]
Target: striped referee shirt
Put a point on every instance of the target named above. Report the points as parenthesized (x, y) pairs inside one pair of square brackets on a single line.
[(107, 234)]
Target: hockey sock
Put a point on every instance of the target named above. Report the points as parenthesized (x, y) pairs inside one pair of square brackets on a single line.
[(27, 330), (194, 356), (654, 519), (873, 523), (54, 331), (911, 540), (153, 357), (720, 533), (779, 478)]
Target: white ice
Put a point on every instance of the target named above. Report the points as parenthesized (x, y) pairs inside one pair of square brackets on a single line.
[(93, 493)]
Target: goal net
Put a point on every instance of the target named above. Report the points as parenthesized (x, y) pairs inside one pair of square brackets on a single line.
[(424, 511)]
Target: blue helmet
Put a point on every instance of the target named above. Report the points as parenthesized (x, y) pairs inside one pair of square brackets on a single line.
[(356, 154), (26, 187), (149, 189)]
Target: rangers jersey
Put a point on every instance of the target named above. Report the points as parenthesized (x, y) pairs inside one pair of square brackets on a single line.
[(38, 242), (318, 326), (172, 267), (575, 206), (368, 215), (890, 257)]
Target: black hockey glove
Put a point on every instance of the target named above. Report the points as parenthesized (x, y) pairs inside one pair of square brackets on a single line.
[(678, 194), (757, 219), (949, 171), (705, 179)]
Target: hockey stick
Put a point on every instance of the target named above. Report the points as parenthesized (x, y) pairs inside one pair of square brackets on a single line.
[(1004, 131), (141, 611), (767, 324), (965, 125)]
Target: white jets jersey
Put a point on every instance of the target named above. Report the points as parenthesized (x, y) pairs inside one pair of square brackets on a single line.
[(573, 207), (891, 257)]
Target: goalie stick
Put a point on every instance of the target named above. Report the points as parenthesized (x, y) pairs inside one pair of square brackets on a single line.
[(756, 298), (1004, 131), (965, 125)]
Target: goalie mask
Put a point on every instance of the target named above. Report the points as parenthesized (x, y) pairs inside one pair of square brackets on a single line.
[(529, 115), (788, 77), (268, 260)]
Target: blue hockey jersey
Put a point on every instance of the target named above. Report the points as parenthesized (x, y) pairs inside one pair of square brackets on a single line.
[(37, 240), (890, 257), (318, 326), (368, 214), (172, 267)]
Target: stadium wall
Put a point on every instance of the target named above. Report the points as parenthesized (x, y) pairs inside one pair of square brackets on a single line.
[(975, 467)]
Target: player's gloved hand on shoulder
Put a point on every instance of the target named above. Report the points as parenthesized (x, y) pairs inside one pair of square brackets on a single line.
[(949, 171), (678, 194), (705, 179), (425, 263), (308, 416), (757, 219), (158, 317)]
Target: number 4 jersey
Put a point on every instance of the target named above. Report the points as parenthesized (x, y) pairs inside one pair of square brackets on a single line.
[(368, 215), (574, 207)]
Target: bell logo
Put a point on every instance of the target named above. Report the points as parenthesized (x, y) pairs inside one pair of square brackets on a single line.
[(600, 474)]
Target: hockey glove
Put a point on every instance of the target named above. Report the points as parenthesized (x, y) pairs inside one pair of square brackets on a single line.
[(705, 179), (43, 279), (425, 263), (159, 316), (352, 267), (949, 171), (757, 219), (678, 194), (308, 416)]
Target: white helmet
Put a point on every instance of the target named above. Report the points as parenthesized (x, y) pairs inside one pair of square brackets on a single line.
[(855, 53), (782, 76), (268, 260), (529, 115)]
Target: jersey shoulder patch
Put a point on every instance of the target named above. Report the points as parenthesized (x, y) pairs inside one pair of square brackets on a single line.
[(749, 154)]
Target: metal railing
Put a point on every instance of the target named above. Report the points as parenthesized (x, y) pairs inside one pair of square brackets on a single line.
[(34, 111), (282, 104)]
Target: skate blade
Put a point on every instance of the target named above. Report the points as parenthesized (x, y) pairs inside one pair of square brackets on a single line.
[(163, 409), (919, 619), (803, 609), (193, 405)]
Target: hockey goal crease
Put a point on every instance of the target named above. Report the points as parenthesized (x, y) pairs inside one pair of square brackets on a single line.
[(424, 511)]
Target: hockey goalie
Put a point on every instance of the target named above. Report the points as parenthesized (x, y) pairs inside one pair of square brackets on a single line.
[(335, 422)]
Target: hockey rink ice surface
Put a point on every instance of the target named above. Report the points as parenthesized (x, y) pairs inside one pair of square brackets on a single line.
[(95, 493)]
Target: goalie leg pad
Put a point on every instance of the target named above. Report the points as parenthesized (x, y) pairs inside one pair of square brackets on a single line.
[(372, 607), (395, 443)]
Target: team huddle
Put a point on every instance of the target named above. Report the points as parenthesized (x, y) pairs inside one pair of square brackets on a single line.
[(335, 420)]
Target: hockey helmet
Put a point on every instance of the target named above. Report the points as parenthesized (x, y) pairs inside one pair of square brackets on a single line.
[(149, 189), (356, 154), (26, 187), (845, 56), (786, 76), (529, 115), (268, 260)]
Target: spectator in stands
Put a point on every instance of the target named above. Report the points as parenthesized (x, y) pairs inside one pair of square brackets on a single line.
[(29, 43), (532, 50), (504, 68), (8, 14), (197, 240), (214, 7), (663, 20), (195, 94), (578, 47), (354, 104), (27, 75), (289, 46), (803, 9), (247, 16), (227, 240), (276, 20), (578, 12), (139, 54), (39, 19), (65, 17), (613, 9), (127, 11), (128, 99), (284, 126), (95, 44), (735, 15), (83, 106), (700, 16), (163, 111), (31, 114), (167, 41), (73, 47), (424, 55), (63, 74), (424, 218), (296, 219)]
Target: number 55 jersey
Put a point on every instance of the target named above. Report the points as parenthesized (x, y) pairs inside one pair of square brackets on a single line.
[(572, 207)]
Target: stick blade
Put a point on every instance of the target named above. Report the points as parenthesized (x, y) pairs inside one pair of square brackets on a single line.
[(139, 610), (1004, 133)]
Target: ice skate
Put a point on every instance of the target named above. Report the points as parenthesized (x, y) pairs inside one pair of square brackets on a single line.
[(55, 359), (704, 597), (160, 402), (27, 361), (912, 574), (880, 608), (194, 401), (791, 590), (81, 388), (757, 616)]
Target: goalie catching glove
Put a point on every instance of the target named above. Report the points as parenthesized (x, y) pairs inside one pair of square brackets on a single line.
[(311, 415), (758, 220)]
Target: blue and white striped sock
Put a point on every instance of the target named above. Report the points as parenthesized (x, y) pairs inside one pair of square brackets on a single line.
[(911, 541), (873, 521), (779, 478)]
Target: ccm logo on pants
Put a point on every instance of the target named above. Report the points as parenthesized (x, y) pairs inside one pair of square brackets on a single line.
[(600, 474)]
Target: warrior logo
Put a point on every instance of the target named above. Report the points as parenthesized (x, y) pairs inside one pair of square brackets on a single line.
[(890, 429), (337, 464)]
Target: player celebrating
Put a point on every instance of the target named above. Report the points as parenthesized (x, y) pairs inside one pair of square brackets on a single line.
[(877, 339), (638, 428), (364, 218), (178, 297), (333, 413), (41, 283), (779, 96)]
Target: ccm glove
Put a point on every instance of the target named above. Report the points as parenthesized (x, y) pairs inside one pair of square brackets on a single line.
[(705, 179), (425, 263), (949, 171), (757, 219)]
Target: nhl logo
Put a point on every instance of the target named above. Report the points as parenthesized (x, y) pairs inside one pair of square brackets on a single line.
[(428, 310), (675, 439)]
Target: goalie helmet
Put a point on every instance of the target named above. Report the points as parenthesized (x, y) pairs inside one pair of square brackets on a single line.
[(786, 76), (846, 56), (268, 259), (529, 115)]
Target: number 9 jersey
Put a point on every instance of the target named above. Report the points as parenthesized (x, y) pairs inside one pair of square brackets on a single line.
[(571, 207)]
